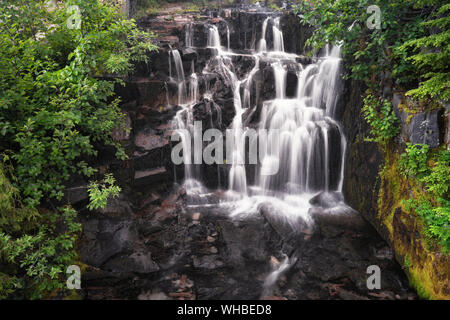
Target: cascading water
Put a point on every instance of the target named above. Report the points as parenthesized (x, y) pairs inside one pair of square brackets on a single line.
[(304, 123), (262, 45), (251, 225), (278, 42), (301, 144), (189, 36), (180, 77)]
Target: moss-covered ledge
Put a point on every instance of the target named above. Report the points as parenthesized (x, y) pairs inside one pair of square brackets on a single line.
[(425, 263), (374, 186)]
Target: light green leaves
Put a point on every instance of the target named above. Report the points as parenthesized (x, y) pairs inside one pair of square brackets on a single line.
[(99, 193)]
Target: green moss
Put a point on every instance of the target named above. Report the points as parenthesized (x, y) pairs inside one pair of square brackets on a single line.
[(426, 265), (74, 295)]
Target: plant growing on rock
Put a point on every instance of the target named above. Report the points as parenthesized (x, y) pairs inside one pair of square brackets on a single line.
[(57, 106), (381, 118), (99, 193), (432, 170)]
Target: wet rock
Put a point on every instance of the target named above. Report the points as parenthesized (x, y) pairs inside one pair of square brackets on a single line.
[(106, 238), (337, 221), (383, 295), (243, 241), (273, 298), (147, 140), (147, 227), (207, 262), (151, 199), (213, 250), (149, 177), (348, 295), (137, 262), (424, 128), (304, 60), (327, 199), (117, 207), (148, 295), (122, 133), (285, 228), (75, 195)]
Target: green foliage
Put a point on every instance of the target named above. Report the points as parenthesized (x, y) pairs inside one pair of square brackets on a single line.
[(381, 118), (145, 7), (404, 37), (54, 107), (437, 219), (35, 247), (433, 57), (40, 259), (100, 192), (432, 169), (438, 180), (14, 216), (57, 107), (413, 162)]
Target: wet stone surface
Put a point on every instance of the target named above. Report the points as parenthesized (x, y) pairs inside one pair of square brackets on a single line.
[(173, 251)]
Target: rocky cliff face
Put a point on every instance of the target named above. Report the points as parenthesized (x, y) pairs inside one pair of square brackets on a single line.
[(374, 186), (149, 244)]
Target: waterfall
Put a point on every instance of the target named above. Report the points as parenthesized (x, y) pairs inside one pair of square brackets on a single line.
[(193, 85), (301, 145), (279, 269), (262, 44), (278, 42), (170, 65), (180, 76), (228, 38), (214, 38), (280, 80), (189, 36)]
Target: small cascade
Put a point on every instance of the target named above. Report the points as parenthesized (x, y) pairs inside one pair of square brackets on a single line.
[(278, 42), (301, 149), (193, 85), (279, 268), (248, 84), (262, 44), (326, 81), (228, 38), (170, 65), (180, 77), (213, 38), (184, 123), (280, 80), (189, 36), (167, 94)]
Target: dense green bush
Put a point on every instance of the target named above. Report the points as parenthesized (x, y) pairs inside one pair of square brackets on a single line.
[(35, 246), (56, 107)]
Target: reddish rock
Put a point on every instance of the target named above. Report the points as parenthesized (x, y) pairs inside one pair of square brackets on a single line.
[(148, 141)]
